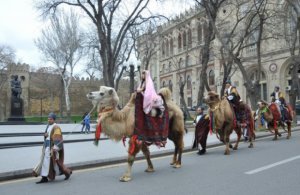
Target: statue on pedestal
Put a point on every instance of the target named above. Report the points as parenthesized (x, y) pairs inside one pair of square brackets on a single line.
[(16, 88)]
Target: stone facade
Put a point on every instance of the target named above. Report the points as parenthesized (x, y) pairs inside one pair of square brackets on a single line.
[(176, 48), (41, 92)]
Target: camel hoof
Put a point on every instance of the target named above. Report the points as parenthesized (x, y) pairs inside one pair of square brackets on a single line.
[(149, 170), (288, 137), (235, 148), (177, 166), (172, 163), (279, 134), (125, 178), (226, 153), (274, 139), (250, 146)]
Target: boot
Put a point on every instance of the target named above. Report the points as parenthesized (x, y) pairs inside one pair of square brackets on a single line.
[(43, 180)]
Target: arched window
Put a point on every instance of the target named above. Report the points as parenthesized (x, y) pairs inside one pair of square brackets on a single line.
[(171, 47), (188, 60), (179, 42), (184, 39), (189, 37), (170, 66), (164, 84), (170, 85), (199, 32), (211, 77), (189, 82), (167, 47), (163, 68), (180, 64), (163, 49)]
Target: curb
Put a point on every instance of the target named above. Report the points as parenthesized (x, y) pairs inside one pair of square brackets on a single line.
[(18, 174)]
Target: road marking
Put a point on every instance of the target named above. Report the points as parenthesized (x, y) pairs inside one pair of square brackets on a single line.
[(271, 165)]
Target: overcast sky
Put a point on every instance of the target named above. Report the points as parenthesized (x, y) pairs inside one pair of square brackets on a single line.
[(20, 25)]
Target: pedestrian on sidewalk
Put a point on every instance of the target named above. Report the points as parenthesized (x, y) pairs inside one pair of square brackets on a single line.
[(52, 158), (82, 121), (86, 121)]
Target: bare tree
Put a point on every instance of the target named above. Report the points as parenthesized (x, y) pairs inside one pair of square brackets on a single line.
[(7, 56), (211, 8), (61, 44), (234, 40), (106, 16), (292, 32)]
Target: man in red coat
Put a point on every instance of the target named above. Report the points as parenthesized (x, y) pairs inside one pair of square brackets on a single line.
[(201, 122)]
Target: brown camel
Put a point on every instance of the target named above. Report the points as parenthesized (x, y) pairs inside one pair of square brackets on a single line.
[(271, 113), (117, 124), (223, 121)]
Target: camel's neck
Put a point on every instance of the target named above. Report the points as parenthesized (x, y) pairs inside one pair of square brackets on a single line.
[(118, 123)]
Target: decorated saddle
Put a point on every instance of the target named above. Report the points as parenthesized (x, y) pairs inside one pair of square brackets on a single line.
[(148, 128)]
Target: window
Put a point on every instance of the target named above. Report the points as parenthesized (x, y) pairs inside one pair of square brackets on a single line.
[(167, 47), (163, 49), (184, 39), (199, 32), (170, 66), (188, 60), (180, 64), (170, 85), (211, 77), (189, 37), (262, 84), (179, 41), (164, 83), (189, 82), (171, 47)]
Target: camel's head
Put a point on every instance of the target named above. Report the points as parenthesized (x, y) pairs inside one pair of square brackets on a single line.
[(212, 98), (106, 97)]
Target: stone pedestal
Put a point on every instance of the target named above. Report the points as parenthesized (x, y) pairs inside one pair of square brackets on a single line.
[(16, 111)]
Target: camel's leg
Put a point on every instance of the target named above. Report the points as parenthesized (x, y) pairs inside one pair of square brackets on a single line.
[(131, 157), (227, 143), (178, 143), (251, 138), (174, 160), (146, 153), (239, 134), (276, 133)]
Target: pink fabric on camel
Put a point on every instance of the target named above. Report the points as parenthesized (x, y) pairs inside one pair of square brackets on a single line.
[(150, 95)]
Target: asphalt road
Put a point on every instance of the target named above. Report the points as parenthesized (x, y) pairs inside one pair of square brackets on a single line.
[(271, 167)]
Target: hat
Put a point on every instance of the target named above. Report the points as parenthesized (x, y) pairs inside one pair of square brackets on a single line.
[(228, 82), (52, 115)]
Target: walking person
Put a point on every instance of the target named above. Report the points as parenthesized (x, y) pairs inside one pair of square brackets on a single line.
[(52, 159), (86, 121), (201, 123), (82, 122)]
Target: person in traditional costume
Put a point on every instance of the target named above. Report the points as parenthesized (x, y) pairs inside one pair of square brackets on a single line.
[(201, 123), (278, 98), (153, 104), (52, 159), (231, 93)]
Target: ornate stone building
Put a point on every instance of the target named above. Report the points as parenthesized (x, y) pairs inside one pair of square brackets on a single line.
[(172, 52)]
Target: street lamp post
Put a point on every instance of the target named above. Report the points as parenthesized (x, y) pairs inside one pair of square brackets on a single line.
[(131, 77)]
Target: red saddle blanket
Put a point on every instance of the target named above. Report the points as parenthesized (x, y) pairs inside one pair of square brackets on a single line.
[(151, 130)]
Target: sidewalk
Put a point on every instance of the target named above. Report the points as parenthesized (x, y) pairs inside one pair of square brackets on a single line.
[(18, 162)]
